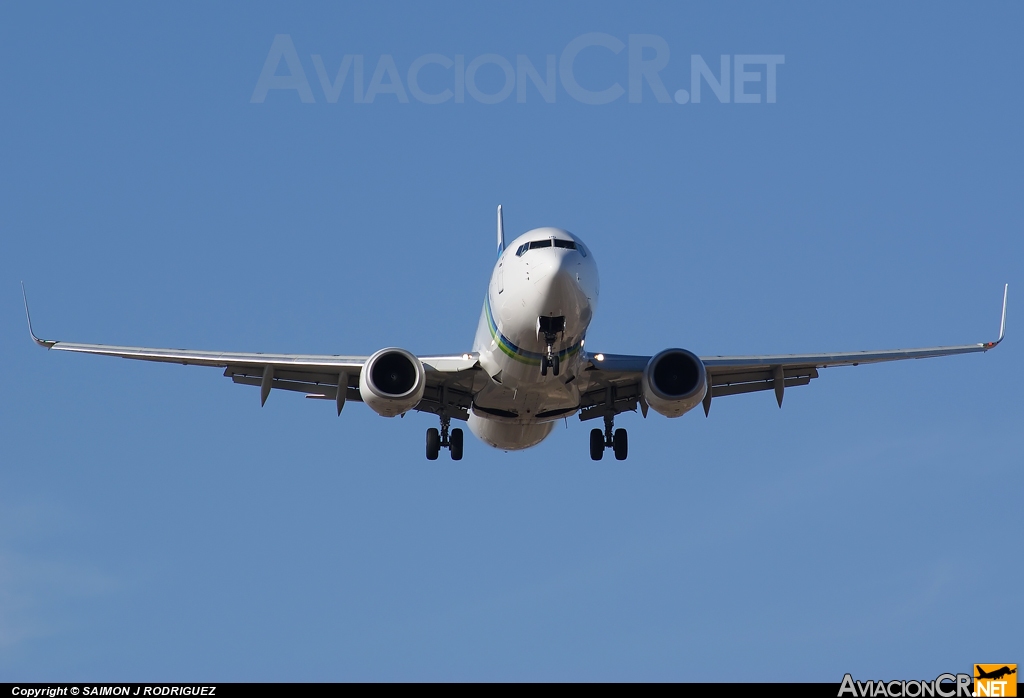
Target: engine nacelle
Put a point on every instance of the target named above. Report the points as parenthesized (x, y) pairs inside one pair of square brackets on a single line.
[(674, 382), (392, 382)]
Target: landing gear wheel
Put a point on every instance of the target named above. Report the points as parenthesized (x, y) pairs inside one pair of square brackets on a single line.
[(554, 365), (620, 445), (455, 444), (596, 444), (433, 443)]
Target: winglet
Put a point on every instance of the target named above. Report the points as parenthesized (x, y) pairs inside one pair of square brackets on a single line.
[(501, 232), (1002, 321), (41, 342)]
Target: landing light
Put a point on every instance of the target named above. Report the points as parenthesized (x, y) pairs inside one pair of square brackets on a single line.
[(599, 357)]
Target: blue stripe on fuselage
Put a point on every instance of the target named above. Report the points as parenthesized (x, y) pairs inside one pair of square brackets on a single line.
[(515, 352)]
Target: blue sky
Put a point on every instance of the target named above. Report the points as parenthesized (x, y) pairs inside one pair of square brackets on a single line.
[(156, 524)]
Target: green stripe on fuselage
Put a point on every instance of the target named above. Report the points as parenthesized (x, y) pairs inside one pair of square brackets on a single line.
[(513, 351)]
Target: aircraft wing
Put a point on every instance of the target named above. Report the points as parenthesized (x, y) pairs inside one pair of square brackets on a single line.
[(319, 376), (615, 378)]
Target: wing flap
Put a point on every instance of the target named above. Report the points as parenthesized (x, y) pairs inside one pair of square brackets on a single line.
[(755, 386), (438, 393), (328, 392)]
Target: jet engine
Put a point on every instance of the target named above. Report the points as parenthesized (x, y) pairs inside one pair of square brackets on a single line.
[(674, 382), (392, 382)]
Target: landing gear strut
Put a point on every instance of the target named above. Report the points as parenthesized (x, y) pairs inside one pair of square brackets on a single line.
[(436, 440), (550, 360), (550, 327), (614, 439)]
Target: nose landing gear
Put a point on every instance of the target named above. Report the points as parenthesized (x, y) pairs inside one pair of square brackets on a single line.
[(550, 360), (437, 440), (550, 327), (614, 439)]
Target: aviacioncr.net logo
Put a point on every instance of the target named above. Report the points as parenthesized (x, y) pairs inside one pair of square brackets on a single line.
[(943, 686), (995, 680)]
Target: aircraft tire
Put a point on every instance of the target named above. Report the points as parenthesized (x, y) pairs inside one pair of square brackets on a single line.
[(455, 444), (621, 444), (596, 444), (433, 443)]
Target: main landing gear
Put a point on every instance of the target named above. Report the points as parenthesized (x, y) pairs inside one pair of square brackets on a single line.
[(437, 440), (615, 440)]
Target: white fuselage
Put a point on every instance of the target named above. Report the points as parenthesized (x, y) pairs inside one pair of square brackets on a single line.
[(543, 276)]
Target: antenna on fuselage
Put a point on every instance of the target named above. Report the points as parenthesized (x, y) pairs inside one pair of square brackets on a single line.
[(501, 232)]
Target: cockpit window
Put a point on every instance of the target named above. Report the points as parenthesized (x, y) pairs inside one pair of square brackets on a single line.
[(563, 244)]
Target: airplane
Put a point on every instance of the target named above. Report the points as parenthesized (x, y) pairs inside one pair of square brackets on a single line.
[(528, 367), (997, 674)]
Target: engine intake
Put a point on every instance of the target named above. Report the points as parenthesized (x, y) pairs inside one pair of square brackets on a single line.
[(392, 382), (674, 382)]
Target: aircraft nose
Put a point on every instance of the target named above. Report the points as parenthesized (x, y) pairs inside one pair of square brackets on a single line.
[(558, 287), (568, 264), (557, 275)]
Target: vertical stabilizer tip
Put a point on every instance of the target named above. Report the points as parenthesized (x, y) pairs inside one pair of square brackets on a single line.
[(501, 232)]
